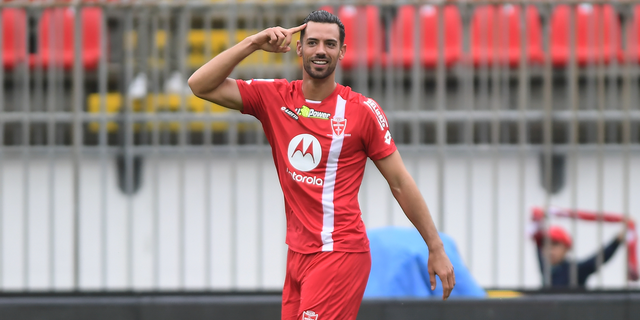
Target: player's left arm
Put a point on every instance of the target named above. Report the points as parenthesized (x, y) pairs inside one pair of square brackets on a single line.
[(408, 195)]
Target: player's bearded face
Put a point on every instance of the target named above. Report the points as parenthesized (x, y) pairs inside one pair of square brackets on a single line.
[(321, 50), (319, 66)]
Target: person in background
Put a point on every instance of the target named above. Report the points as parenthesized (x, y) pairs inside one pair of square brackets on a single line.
[(560, 243)]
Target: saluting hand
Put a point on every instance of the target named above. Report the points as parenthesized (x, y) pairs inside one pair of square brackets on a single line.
[(276, 39), (440, 265)]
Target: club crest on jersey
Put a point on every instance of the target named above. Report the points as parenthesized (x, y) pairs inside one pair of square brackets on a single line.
[(307, 112), (338, 125), (309, 315)]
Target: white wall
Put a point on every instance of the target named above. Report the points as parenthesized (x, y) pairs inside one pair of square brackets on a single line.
[(258, 247)]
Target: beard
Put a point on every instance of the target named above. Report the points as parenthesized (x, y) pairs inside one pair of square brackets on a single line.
[(318, 74)]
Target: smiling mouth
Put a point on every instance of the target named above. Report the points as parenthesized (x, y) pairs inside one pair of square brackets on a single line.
[(320, 62)]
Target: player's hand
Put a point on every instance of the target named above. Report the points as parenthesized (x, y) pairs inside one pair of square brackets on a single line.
[(440, 265), (276, 39)]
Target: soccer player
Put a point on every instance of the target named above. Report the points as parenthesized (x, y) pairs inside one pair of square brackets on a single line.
[(321, 134)]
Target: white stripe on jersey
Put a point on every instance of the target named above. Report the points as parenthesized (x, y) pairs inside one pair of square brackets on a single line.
[(330, 182)]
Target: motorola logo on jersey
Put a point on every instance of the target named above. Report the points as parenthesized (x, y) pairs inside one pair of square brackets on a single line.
[(312, 180), (305, 152)]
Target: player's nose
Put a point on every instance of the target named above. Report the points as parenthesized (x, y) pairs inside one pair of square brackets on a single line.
[(321, 50)]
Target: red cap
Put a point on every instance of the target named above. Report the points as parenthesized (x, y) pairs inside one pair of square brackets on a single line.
[(558, 234)]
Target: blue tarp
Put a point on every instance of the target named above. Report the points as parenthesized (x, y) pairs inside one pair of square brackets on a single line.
[(399, 266)]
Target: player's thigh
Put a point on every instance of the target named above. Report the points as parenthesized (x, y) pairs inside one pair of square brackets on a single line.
[(333, 287), (291, 288), (290, 299)]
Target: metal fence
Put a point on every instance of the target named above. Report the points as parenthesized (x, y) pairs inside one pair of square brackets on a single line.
[(114, 176)]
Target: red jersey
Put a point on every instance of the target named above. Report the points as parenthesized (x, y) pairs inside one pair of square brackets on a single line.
[(320, 149)]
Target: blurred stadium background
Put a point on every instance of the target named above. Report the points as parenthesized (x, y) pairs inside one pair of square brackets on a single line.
[(115, 178)]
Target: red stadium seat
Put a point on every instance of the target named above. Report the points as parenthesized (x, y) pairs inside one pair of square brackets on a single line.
[(64, 18), (506, 21), (453, 36), (355, 20), (14, 37), (633, 36), (590, 47), (402, 39)]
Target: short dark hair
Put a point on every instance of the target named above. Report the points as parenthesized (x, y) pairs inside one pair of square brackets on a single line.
[(323, 16)]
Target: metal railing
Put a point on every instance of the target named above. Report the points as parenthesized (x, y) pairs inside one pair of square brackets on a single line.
[(104, 186)]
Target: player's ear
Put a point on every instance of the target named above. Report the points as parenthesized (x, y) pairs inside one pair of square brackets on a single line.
[(299, 48), (343, 50)]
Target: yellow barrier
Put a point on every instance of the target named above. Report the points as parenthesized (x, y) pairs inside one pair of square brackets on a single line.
[(152, 104), (503, 294)]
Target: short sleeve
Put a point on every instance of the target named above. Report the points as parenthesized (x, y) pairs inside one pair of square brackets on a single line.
[(377, 139), (254, 93)]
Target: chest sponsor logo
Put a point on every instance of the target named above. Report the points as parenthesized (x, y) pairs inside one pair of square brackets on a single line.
[(338, 125), (290, 113), (307, 112), (382, 120), (301, 178), (304, 152), (309, 315)]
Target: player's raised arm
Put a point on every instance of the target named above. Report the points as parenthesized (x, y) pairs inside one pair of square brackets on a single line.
[(408, 195), (211, 82)]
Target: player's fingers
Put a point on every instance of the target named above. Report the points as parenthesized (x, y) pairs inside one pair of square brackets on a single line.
[(432, 279), (298, 28), (273, 39), (283, 49), (445, 286), (281, 37), (450, 281), (453, 278), (287, 40)]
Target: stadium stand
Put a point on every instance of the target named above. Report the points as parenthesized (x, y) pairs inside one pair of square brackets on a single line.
[(154, 104)]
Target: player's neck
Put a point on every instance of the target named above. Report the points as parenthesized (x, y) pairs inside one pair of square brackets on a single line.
[(318, 89)]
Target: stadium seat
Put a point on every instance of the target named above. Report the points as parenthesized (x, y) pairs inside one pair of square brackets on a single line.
[(506, 20), (373, 51), (402, 36), (453, 36), (590, 45), (64, 17), (14, 37), (633, 36)]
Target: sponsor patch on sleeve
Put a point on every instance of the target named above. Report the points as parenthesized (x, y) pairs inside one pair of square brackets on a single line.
[(382, 120)]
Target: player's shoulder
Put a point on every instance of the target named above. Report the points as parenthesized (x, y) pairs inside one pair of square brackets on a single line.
[(356, 99), (367, 107)]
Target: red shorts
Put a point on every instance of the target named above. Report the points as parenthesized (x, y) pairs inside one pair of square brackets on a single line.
[(324, 285)]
